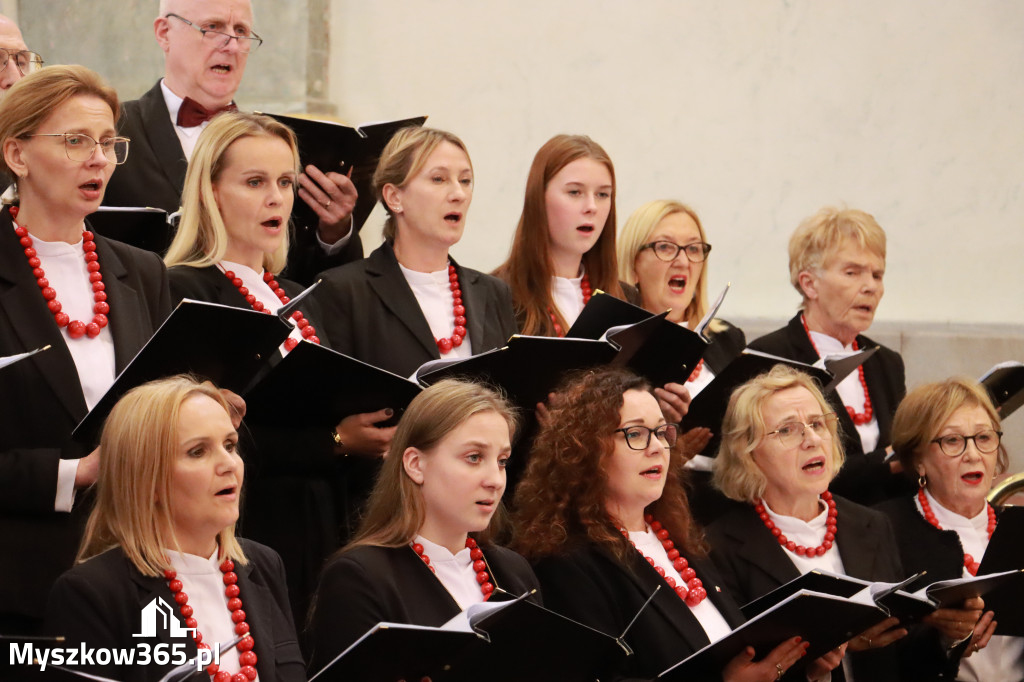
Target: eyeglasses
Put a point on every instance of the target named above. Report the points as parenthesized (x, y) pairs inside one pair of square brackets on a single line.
[(247, 40), (639, 437), (25, 60), (696, 252), (954, 445), (792, 433), (80, 147)]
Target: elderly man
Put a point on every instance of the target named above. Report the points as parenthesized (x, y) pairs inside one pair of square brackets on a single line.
[(17, 60), (206, 44)]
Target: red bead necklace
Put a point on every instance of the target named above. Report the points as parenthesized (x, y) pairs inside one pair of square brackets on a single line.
[(800, 550), (969, 563), (696, 371), (305, 328), (693, 591), (479, 565), (246, 656), (587, 293), (444, 346), (859, 418), (76, 328)]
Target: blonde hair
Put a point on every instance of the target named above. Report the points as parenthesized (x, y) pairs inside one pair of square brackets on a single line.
[(821, 236), (744, 428), (637, 231), (34, 98), (395, 509), (139, 445), (924, 411), (403, 157), (202, 239)]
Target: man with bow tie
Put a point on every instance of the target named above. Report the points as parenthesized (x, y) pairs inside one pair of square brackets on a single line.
[(206, 44)]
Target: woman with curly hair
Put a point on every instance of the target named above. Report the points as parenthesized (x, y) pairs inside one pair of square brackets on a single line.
[(603, 516)]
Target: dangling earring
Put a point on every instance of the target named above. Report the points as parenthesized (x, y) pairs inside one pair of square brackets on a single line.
[(922, 480)]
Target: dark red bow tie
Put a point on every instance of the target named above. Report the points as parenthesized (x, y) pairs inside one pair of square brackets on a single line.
[(192, 113)]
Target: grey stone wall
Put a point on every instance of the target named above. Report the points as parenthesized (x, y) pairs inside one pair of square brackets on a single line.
[(115, 37)]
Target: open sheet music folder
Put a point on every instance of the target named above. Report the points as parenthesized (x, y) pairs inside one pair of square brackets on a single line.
[(516, 641)]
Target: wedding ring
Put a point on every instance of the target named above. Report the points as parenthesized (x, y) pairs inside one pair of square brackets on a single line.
[(327, 204), (778, 667)]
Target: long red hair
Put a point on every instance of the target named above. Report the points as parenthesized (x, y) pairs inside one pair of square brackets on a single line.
[(528, 270)]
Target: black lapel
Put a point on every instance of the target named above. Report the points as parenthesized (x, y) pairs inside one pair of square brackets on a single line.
[(431, 596), (160, 134), (388, 282), (33, 323), (857, 539), (258, 602), (758, 548), (127, 305), (149, 589), (474, 300), (878, 383)]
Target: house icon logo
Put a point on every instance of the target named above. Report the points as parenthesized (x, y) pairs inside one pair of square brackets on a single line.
[(157, 615)]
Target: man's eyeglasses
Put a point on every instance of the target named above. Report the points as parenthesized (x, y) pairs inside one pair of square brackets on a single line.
[(639, 437), (696, 252), (791, 434), (954, 445), (247, 40), (80, 147), (25, 60)]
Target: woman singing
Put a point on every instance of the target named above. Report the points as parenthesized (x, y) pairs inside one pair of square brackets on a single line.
[(163, 528), (94, 302), (422, 553)]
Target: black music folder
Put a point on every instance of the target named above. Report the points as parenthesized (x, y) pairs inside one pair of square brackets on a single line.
[(1005, 386), (335, 147), (500, 641), (151, 229), (1005, 552), (824, 621), (314, 386), (227, 345)]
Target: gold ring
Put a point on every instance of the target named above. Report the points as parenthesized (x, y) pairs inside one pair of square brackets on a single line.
[(327, 204), (337, 437), (778, 667)]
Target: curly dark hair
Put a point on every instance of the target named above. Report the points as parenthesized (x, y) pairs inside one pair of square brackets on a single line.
[(560, 503)]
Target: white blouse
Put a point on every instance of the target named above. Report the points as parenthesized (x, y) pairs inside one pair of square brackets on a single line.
[(568, 297), (809, 534), (253, 281), (706, 613), (455, 571), (1003, 658), (434, 295), (850, 390)]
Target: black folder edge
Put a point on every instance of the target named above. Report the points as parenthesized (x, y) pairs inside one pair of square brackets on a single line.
[(814, 610), (252, 348), (1005, 385)]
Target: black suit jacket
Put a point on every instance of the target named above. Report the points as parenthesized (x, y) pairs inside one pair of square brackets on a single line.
[(100, 602), (753, 564), (372, 315), (154, 175), (589, 585), (43, 402), (865, 477), (291, 475), (369, 585)]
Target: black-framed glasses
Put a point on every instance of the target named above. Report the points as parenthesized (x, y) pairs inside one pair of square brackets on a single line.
[(80, 147), (247, 40), (954, 445), (792, 433), (26, 60), (639, 437), (697, 252)]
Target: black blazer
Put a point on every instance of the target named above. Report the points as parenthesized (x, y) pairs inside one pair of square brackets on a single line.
[(865, 477), (372, 315), (100, 602), (753, 563), (154, 175), (588, 584), (370, 585), (43, 402), (291, 474)]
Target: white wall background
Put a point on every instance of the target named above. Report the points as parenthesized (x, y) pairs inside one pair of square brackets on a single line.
[(757, 112)]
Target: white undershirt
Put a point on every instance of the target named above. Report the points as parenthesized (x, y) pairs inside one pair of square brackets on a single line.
[(809, 534), (253, 281), (455, 571), (1003, 658), (568, 297), (850, 390), (65, 268), (706, 613), (434, 295), (203, 582)]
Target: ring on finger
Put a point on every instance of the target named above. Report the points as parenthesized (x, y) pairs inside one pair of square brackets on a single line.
[(327, 204), (779, 670)]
